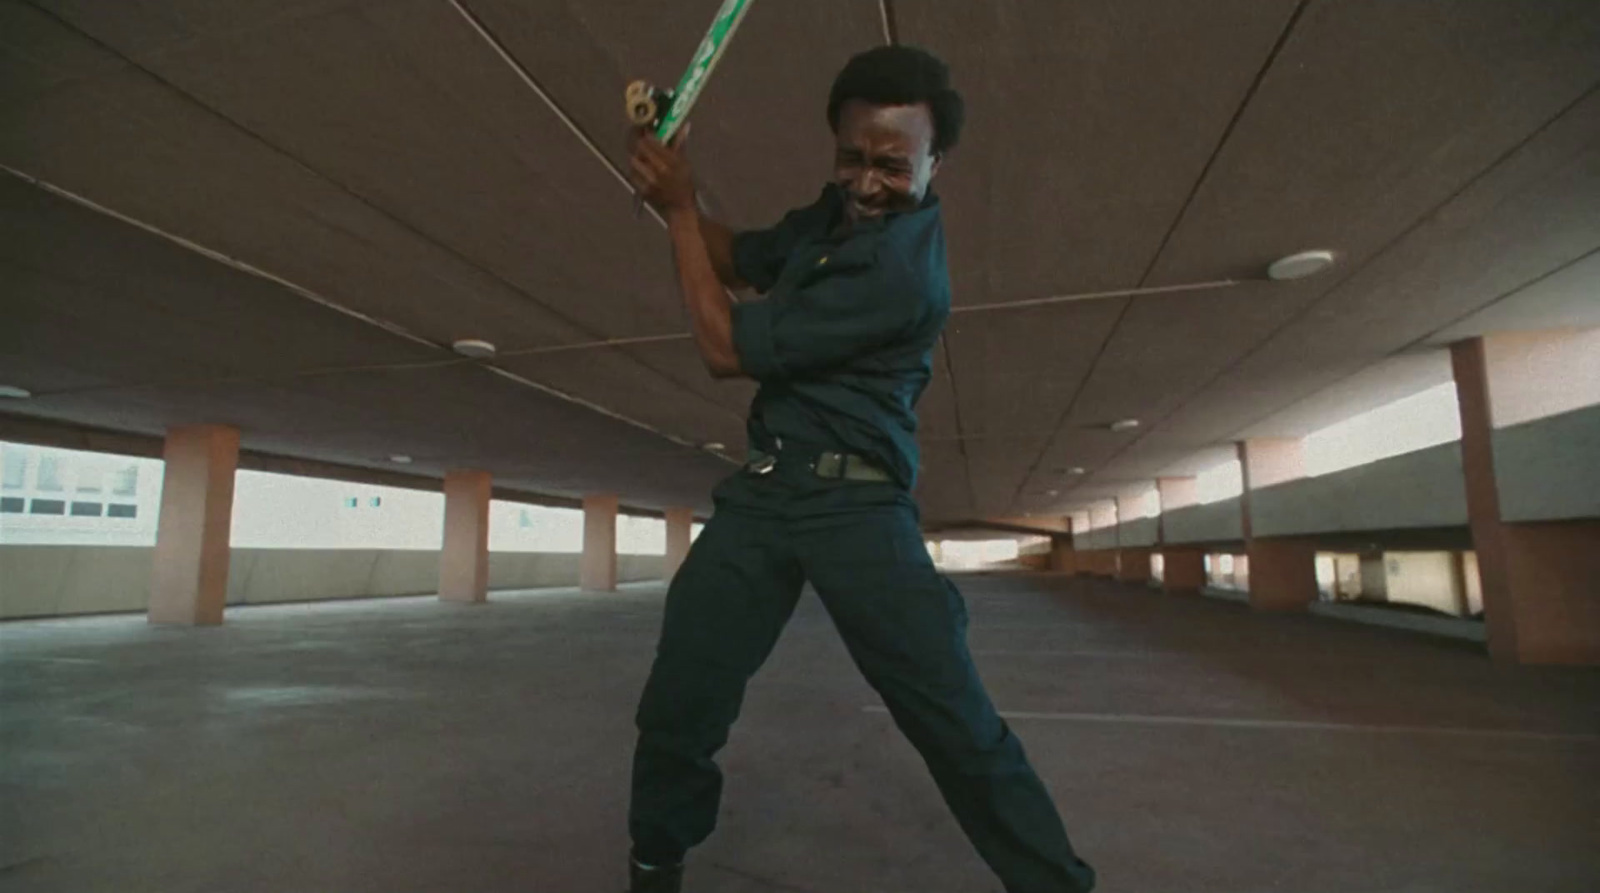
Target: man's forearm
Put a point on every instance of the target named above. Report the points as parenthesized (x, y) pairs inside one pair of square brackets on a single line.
[(710, 310)]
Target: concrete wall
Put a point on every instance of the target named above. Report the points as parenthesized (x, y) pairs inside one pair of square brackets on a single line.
[(41, 581), (1033, 561), (1423, 578), (1103, 538), (1138, 532), (1420, 489), (37, 581), (1082, 540), (1549, 469), (1218, 521)]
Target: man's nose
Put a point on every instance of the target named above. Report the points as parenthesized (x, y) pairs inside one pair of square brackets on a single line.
[(866, 182)]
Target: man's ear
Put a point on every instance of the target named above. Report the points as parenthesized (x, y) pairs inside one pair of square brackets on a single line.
[(933, 169)]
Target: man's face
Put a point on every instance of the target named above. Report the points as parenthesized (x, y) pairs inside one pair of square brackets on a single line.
[(884, 159)]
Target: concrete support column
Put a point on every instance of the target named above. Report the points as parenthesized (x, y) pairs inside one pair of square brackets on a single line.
[(680, 523), (1183, 570), (1539, 579), (1283, 574), (189, 572), (1133, 565), (1134, 539), (599, 573), (1283, 571), (464, 557), (1063, 556)]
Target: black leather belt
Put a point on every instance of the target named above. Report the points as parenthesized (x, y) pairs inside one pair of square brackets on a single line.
[(831, 465)]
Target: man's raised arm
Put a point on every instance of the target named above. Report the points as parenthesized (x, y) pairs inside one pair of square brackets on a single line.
[(701, 248)]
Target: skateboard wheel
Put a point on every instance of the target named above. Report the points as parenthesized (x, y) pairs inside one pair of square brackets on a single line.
[(641, 103), (642, 112)]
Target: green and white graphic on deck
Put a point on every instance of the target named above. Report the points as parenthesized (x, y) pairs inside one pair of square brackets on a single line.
[(705, 58)]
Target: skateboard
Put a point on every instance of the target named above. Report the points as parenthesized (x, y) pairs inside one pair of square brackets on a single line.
[(664, 111)]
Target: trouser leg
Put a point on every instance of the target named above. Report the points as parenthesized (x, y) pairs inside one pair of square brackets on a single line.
[(724, 612), (905, 626)]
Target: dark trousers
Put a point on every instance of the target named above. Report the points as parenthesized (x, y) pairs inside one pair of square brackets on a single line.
[(905, 626)]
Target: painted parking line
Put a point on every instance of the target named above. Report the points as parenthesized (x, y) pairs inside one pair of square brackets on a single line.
[(1277, 724)]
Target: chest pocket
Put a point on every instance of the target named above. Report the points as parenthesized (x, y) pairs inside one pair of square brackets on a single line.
[(819, 261)]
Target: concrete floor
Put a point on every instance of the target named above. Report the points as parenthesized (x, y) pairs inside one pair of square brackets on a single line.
[(406, 744)]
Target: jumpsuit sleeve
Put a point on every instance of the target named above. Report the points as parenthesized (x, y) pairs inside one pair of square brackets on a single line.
[(826, 319)]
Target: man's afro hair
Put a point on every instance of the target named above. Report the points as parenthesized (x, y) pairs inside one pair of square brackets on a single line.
[(901, 75)]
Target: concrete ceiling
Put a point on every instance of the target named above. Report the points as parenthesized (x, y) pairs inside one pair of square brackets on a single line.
[(367, 181)]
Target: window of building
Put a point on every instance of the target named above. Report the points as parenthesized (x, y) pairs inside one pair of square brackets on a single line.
[(125, 481), (49, 475), (47, 507), (13, 469), (59, 497), (91, 478)]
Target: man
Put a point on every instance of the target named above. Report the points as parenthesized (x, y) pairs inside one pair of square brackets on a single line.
[(856, 293)]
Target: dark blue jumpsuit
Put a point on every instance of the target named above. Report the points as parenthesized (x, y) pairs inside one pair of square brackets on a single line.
[(842, 347)]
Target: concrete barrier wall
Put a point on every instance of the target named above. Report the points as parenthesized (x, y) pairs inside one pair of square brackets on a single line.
[(1424, 488), (636, 568), (1549, 469), (40, 581), (44, 581), (1210, 522), (1138, 532)]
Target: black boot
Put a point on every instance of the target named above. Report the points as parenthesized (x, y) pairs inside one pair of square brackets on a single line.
[(666, 879)]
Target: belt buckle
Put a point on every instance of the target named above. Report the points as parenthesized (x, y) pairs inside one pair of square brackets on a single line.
[(829, 465), (763, 465)]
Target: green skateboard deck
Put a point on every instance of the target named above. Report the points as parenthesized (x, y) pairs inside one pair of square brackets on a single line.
[(665, 111)]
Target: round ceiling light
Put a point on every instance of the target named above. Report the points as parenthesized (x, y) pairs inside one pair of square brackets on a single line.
[(474, 348), (1124, 424), (12, 392), (1299, 266)]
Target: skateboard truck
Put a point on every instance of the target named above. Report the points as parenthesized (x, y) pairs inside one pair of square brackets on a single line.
[(664, 111), (647, 104)]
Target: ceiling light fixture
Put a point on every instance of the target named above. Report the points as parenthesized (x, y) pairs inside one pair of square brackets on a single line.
[(474, 348), (1077, 469), (1299, 266), (714, 447), (1124, 424), (400, 459), (12, 392)]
